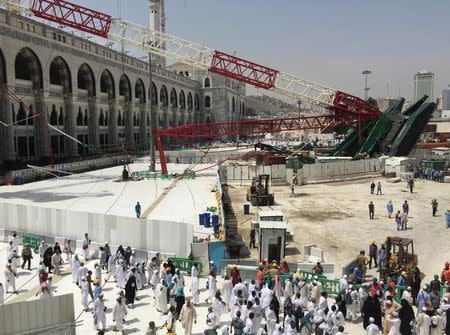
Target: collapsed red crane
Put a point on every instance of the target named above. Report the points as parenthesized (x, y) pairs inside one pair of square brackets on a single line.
[(344, 108)]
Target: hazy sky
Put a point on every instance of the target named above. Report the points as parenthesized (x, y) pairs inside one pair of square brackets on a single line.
[(329, 42)]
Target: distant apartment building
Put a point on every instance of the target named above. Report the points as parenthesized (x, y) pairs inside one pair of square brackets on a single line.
[(424, 84)]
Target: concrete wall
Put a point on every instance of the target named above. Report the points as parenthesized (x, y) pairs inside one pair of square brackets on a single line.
[(195, 156), (38, 316), (335, 171), (309, 173), (246, 173), (117, 230)]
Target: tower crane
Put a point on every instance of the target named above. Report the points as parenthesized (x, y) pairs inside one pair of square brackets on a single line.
[(344, 108)]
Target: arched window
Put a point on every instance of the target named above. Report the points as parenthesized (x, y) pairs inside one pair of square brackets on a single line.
[(125, 87), (80, 117), (61, 117), (21, 116), (85, 121), (197, 103), (163, 97), (60, 74), (173, 98), (182, 100), (101, 118), (189, 101), (119, 118), (30, 116), (86, 79), (154, 94), (107, 84), (54, 116), (207, 82), (207, 101)]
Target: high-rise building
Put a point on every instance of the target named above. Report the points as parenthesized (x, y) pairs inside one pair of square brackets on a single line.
[(424, 84), (446, 98)]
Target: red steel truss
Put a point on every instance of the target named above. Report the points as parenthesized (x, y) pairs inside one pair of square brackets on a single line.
[(73, 16), (248, 127), (344, 102), (242, 70)]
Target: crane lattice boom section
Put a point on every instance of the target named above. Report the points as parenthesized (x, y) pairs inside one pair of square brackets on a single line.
[(153, 41), (254, 127), (243, 70)]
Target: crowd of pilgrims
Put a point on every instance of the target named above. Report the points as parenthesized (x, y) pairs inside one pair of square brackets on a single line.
[(266, 304)]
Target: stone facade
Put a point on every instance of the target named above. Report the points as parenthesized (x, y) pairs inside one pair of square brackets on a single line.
[(222, 99), (93, 93)]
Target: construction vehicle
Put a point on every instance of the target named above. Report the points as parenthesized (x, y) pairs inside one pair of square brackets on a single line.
[(258, 193), (399, 257)]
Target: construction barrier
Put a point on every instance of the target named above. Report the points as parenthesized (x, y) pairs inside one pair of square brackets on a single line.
[(33, 240), (158, 175), (185, 264)]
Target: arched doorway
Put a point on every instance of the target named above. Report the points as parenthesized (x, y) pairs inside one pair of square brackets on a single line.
[(139, 131), (61, 85), (108, 132), (88, 133), (28, 136), (125, 132)]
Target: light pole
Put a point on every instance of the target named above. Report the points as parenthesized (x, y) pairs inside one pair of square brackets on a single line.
[(366, 89), (152, 121)]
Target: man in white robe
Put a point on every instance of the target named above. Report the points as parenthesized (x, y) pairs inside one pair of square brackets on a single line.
[(212, 287), (42, 248), (372, 328), (423, 323), (395, 322), (227, 287), (85, 245), (271, 320), (343, 284), (266, 297), (121, 275), (407, 295), (218, 306), (288, 289), (119, 312), (84, 286), (195, 290), (82, 271), (10, 279), (161, 298), (188, 317), (352, 308), (99, 313)]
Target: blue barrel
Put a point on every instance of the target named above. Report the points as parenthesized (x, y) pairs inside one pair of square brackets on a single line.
[(200, 219), (206, 220), (246, 209), (215, 219)]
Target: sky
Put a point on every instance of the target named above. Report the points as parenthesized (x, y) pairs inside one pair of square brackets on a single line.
[(328, 42)]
